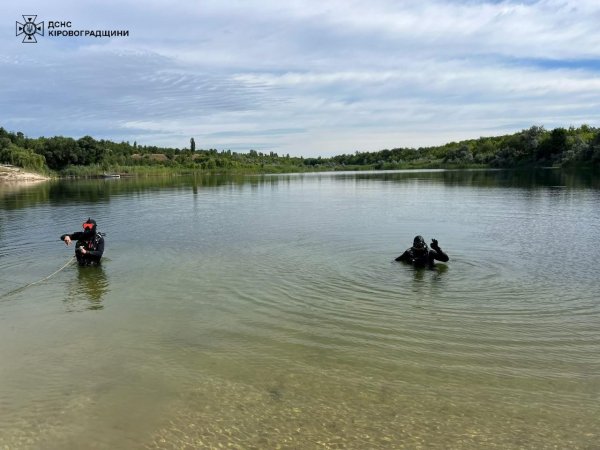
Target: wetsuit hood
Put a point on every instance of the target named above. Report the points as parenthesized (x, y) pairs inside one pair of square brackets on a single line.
[(419, 245)]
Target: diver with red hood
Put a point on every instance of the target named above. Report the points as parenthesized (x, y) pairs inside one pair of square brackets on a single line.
[(90, 243), (419, 255)]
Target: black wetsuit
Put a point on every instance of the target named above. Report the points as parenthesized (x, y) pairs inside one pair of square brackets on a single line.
[(423, 258), (93, 244)]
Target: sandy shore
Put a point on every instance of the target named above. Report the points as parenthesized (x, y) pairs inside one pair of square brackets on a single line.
[(13, 174)]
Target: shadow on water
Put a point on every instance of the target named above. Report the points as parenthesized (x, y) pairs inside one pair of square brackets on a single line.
[(92, 191), (88, 290), (434, 273), (427, 283)]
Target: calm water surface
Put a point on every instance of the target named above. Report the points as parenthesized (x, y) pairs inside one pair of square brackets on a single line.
[(267, 311)]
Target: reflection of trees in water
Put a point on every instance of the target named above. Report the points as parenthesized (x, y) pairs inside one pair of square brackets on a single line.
[(88, 290), (65, 192), (92, 191), (527, 179)]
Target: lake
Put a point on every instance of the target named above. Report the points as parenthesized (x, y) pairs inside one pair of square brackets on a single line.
[(267, 312)]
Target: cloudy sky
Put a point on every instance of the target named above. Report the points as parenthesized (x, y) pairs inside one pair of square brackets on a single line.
[(301, 77)]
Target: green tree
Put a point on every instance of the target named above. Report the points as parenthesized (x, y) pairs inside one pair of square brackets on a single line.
[(554, 145), (60, 152), (90, 151)]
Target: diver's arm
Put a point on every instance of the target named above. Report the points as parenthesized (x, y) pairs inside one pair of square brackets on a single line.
[(71, 237), (438, 253), (403, 257)]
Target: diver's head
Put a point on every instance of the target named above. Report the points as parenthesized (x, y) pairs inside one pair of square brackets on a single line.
[(419, 244), (89, 226)]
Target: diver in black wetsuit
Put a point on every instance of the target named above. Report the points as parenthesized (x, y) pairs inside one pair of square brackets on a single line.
[(90, 244), (420, 255)]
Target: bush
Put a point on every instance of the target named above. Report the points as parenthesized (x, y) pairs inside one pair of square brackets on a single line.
[(17, 156)]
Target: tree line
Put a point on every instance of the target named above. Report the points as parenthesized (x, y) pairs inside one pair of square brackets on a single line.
[(531, 147)]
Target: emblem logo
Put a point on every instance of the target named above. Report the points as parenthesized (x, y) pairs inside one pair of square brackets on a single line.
[(29, 29)]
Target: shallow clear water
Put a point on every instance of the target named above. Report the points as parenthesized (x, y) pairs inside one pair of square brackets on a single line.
[(266, 311)]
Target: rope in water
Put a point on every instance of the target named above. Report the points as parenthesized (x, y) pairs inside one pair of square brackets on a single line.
[(22, 288)]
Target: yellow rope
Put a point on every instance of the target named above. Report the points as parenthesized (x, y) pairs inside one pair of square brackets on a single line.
[(14, 291)]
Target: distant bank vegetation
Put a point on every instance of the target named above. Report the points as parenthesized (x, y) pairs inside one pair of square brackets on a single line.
[(533, 147)]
